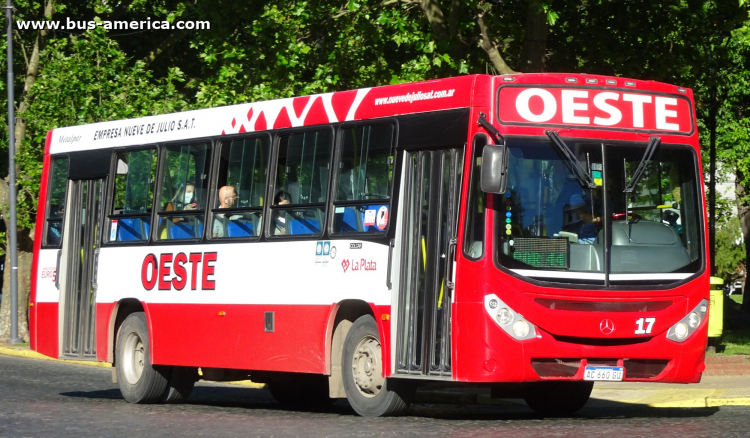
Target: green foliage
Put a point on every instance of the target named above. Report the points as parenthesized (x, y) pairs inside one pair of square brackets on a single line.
[(264, 50), (85, 79), (730, 252)]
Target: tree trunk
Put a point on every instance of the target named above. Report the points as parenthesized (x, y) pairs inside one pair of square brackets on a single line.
[(534, 49), (743, 211), (25, 256), (489, 46), (25, 241)]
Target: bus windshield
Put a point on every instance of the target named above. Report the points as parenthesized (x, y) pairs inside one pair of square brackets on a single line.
[(550, 224)]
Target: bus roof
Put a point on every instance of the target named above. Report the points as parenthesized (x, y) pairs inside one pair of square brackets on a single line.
[(336, 107)]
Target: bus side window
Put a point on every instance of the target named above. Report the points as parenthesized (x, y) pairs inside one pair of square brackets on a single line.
[(302, 169), (241, 187), (364, 179), (184, 190), (474, 228), (57, 186), (130, 217)]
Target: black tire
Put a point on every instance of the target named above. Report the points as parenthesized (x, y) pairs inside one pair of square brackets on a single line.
[(140, 382), (556, 399), (383, 397), (181, 383), (301, 390)]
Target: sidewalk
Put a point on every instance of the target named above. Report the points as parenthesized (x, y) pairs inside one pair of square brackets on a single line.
[(726, 382)]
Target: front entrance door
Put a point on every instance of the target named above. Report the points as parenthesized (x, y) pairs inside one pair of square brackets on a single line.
[(81, 250), (430, 213)]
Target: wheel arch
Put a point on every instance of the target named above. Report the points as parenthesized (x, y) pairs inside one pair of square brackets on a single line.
[(122, 310), (340, 320)]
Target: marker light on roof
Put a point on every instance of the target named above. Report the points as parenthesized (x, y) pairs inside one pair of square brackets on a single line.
[(630, 83), (611, 82), (591, 81), (682, 90), (508, 78), (571, 80)]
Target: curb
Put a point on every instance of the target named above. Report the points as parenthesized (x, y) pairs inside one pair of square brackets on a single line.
[(8, 351)]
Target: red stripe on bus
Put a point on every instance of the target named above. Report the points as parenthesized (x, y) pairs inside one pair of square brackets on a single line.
[(46, 325), (38, 235)]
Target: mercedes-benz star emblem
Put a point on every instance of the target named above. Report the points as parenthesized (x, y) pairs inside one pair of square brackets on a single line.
[(607, 326)]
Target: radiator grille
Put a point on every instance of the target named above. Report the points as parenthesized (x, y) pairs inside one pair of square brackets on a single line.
[(603, 306), (644, 368)]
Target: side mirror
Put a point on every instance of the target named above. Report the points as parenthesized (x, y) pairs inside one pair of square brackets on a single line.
[(494, 178)]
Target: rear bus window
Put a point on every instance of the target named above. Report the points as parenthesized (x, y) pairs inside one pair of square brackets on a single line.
[(364, 179), (130, 217), (302, 169), (241, 187), (184, 190), (58, 185)]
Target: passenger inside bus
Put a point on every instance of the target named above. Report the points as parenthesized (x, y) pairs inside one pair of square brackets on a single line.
[(227, 199), (183, 199), (579, 219), (279, 220)]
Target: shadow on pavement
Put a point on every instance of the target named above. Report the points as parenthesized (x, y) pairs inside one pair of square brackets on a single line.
[(506, 410), (111, 394)]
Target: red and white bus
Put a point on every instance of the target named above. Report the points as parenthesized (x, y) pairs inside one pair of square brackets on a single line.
[(533, 233)]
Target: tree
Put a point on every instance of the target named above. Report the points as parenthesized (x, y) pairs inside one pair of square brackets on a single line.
[(257, 50), (85, 79)]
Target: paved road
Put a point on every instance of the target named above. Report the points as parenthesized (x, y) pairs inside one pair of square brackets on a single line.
[(40, 398)]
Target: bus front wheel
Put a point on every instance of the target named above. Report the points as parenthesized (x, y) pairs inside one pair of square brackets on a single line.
[(557, 398), (140, 382), (368, 392)]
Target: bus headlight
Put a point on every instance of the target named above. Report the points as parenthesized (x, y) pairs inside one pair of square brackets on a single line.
[(504, 316), (520, 328), (680, 330), (510, 321), (693, 320), (689, 324)]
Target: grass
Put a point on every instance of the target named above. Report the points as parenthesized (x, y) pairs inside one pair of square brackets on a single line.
[(736, 336), (734, 341)]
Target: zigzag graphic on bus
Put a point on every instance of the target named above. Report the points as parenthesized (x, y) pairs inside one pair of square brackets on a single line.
[(298, 111)]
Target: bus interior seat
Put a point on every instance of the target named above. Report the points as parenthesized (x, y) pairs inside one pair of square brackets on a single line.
[(240, 228), (132, 229), (182, 230), (348, 222), (300, 225)]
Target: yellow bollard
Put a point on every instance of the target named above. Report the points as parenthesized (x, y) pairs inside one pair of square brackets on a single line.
[(716, 309)]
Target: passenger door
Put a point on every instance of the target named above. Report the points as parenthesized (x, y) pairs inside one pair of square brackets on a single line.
[(429, 209), (80, 249)]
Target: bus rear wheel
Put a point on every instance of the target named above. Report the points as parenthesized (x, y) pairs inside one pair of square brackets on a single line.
[(556, 399), (140, 382), (368, 392)]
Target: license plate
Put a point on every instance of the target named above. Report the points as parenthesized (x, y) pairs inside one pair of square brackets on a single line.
[(607, 374)]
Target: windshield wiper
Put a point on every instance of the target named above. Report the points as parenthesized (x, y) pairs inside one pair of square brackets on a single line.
[(580, 172), (653, 143)]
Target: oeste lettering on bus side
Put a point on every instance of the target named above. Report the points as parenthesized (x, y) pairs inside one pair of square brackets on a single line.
[(169, 271)]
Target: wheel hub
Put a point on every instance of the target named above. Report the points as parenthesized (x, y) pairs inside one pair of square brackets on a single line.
[(134, 359), (366, 367)]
